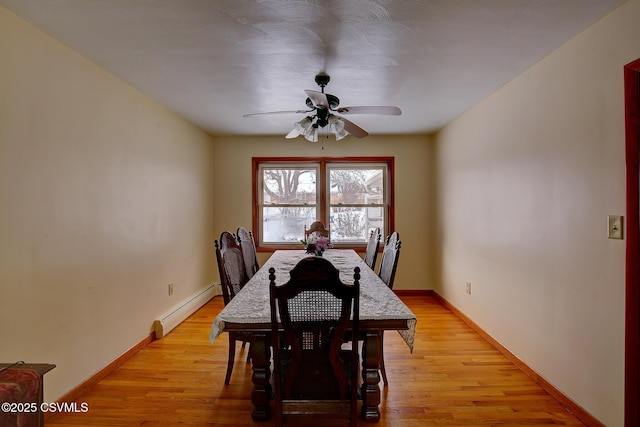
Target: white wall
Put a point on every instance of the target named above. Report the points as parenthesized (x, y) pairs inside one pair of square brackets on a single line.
[(106, 198), (526, 180), (414, 197)]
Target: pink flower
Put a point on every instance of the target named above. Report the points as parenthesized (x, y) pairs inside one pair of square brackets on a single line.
[(316, 244)]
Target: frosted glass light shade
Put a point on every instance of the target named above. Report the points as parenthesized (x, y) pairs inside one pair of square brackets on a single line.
[(336, 127)]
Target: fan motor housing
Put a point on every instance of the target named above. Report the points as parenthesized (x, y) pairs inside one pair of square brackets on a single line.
[(333, 101)]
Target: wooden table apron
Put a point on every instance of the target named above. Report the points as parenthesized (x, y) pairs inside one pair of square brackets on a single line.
[(375, 299)]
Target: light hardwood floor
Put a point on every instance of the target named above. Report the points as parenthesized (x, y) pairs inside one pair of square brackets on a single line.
[(453, 378)]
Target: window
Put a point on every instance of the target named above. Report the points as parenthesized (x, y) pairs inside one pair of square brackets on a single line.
[(351, 196)]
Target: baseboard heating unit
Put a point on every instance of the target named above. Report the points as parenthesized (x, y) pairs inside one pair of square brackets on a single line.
[(178, 314)]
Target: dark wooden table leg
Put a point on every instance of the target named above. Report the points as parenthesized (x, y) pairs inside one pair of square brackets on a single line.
[(371, 377), (261, 363)]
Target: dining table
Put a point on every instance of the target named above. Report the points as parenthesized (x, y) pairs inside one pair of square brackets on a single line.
[(380, 310)]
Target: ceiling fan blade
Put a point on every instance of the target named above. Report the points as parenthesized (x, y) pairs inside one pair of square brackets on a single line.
[(278, 112), (384, 110), (353, 128), (319, 99)]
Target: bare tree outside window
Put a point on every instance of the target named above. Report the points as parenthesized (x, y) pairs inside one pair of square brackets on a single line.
[(289, 202)]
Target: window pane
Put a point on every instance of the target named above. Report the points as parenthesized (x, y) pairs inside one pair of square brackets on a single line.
[(356, 186), (285, 224), (355, 224), (289, 186)]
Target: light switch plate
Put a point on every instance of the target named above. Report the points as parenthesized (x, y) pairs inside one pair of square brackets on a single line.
[(615, 226)]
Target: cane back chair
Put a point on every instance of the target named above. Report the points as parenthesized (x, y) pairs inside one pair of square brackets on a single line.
[(233, 277), (312, 373), (372, 248), (316, 227), (387, 272), (248, 245)]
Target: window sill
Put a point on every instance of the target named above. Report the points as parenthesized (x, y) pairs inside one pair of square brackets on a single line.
[(267, 249)]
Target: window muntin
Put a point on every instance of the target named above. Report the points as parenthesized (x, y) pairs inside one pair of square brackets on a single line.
[(351, 196)]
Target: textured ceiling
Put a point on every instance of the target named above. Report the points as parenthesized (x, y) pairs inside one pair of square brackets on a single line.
[(213, 61)]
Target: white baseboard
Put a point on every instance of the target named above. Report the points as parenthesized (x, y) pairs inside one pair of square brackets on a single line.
[(178, 314)]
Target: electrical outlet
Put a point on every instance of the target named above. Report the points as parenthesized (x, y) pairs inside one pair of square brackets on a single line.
[(170, 289), (469, 288)]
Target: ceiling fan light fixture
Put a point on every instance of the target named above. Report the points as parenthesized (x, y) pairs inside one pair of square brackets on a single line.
[(304, 126), (312, 135), (293, 134), (307, 128), (336, 127)]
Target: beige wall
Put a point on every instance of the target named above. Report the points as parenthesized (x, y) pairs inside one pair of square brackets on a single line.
[(526, 180), (106, 198), (414, 197)]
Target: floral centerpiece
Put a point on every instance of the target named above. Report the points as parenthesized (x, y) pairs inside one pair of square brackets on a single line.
[(316, 244)]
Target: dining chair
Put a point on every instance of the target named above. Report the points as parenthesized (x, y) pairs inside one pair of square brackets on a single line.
[(317, 227), (389, 262), (372, 248), (248, 245), (387, 273), (233, 277), (312, 373)]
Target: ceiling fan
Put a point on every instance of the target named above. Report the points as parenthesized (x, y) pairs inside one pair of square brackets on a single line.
[(324, 111)]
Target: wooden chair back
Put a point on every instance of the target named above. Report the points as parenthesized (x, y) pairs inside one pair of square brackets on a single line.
[(231, 266), (249, 254), (372, 248), (390, 256), (316, 227), (312, 374)]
